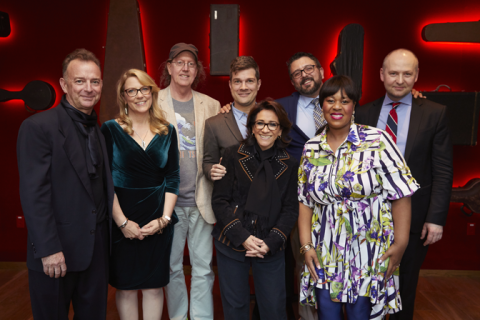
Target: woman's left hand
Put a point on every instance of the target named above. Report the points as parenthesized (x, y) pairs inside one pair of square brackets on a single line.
[(150, 228), (395, 253)]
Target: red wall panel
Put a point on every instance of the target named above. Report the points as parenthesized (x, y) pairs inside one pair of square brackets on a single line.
[(270, 31)]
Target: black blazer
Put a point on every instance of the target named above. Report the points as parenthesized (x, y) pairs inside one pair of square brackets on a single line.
[(428, 153), (230, 196), (55, 190), (299, 138)]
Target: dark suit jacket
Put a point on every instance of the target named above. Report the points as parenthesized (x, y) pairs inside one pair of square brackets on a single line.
[(55, 190), (221, 132), (428, 153), (230, 196), (299, 138)]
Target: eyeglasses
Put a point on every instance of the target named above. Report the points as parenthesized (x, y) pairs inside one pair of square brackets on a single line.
[(308, 69), (272, 126), (133, 92), (180, 64)]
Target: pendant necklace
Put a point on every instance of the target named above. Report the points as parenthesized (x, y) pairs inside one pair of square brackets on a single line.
[(143, 140)]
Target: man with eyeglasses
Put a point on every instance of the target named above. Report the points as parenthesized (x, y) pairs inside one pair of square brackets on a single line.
[(306, 75), (187, 110)]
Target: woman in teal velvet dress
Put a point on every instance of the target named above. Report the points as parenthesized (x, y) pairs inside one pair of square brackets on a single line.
[(143, 152)]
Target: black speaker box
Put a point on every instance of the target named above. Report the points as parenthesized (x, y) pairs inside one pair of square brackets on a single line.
[(4, 25), (462, 113), (224, 24)]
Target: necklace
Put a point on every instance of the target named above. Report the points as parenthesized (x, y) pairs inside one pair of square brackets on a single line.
[(143, 140)]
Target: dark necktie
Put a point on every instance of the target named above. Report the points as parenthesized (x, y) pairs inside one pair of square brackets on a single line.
[(392, 122), (317, 115)]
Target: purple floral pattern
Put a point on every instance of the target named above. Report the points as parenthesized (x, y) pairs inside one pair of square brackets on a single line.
[(350, 192)]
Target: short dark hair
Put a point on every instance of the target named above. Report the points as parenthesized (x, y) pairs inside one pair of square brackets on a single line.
[(277, 108), (166, 78), (79, 54), (299, 55), (337, 83), (243, 63)]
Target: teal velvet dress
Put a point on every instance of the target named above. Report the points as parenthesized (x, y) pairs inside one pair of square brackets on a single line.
[(141, 178)]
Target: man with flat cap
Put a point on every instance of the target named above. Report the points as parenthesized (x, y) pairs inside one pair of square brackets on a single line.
[(66, 191), (187, 110)]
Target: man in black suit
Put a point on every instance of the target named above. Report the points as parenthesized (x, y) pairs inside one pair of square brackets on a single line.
[(420, 129), (66, 192)]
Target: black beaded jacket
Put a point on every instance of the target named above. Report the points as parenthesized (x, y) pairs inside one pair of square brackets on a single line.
[(230, 196)]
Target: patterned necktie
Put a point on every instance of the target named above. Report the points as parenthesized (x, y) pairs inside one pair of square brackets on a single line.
[(317, 115), (392, 122)]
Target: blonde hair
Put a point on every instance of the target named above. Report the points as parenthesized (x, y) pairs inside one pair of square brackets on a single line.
[(158, 123)]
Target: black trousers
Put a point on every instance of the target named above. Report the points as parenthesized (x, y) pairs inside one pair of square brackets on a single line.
[(410, 265), (269, 280), (87, 290)]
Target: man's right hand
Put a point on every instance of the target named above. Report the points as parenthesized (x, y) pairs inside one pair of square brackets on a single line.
[(217, 172), (54, 265), (226, 108)]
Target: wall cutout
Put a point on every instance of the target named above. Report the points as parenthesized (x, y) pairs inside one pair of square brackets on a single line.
[(4, 25), (452, 32), (37, 95)]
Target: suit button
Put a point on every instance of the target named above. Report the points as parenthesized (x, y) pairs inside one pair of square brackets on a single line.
[(94, 211), (92, 231)]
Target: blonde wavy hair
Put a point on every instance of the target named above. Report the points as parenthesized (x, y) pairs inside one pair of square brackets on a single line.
[(158, 123)]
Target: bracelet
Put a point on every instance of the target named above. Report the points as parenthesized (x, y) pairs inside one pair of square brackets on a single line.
[(160, 226), (168, 218), (306, 247), (123, 224)]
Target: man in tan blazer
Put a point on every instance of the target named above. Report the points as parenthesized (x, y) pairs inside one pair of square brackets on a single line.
[(187, 110), (227, 129)]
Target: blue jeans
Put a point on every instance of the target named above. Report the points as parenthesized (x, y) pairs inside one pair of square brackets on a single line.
[(329, 310)]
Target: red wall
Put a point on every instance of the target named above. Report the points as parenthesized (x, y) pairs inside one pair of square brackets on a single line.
[(43, 34)]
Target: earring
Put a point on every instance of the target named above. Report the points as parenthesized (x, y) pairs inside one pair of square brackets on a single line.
[(279, 137), (126, 110), (353, 117)]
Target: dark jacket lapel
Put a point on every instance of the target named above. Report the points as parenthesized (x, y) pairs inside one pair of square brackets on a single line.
[(72, 148), (374, 114), (250, 165), (232, 125), (415, 121)]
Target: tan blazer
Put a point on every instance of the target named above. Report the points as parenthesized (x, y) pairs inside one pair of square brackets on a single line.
[(221, 132), (205, 107)]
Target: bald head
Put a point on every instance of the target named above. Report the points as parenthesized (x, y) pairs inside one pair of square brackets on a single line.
[(401, 53), (399, 73)]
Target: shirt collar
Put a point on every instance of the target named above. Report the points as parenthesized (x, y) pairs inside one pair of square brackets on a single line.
[(354, 137), (237, 113), (306, 101), (407, 100)]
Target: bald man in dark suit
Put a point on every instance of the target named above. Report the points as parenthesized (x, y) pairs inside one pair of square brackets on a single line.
[(423, 137)]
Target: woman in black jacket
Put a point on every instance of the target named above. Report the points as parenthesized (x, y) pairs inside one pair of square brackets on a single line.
[(256, 207)]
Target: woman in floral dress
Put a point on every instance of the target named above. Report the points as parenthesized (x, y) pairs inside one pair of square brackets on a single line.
[(354, 220)]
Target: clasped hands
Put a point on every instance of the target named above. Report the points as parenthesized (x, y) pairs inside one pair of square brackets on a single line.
[(133, 231), (256, 248)]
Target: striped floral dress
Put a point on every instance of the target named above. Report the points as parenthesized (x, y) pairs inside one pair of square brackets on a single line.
[(352, 225)]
